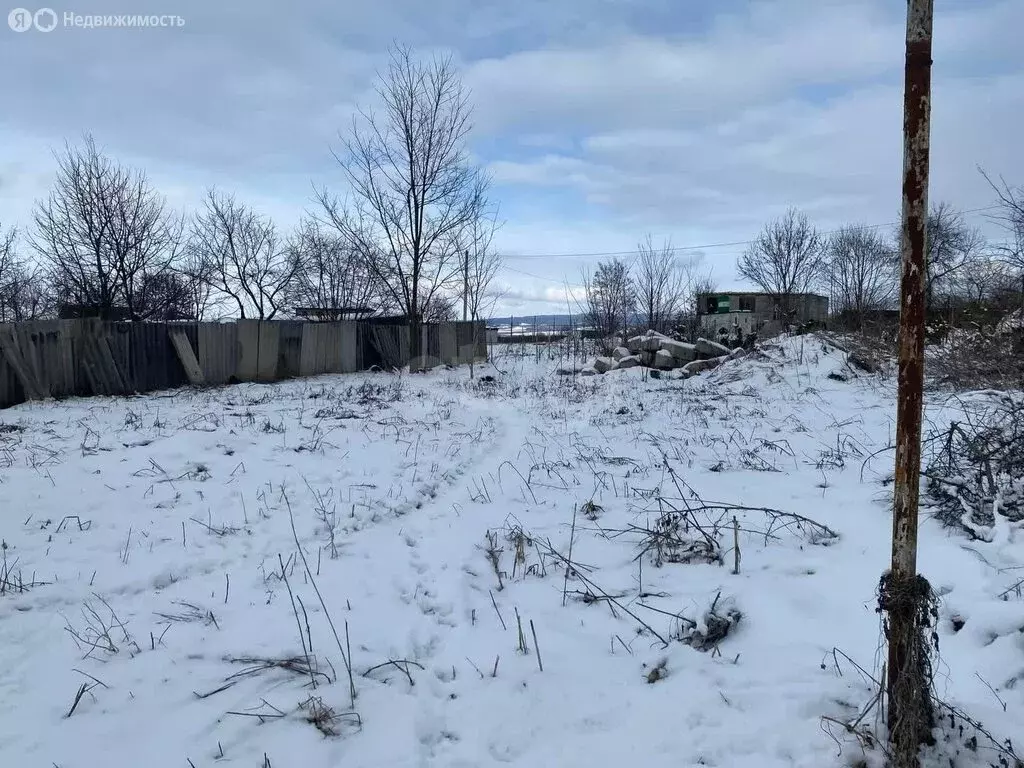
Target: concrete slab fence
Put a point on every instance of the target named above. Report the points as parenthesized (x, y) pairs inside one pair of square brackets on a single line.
[(63, 358)]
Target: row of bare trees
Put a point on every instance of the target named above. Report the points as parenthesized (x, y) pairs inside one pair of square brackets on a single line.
[(858, 265), (413, 236), (657, 290)]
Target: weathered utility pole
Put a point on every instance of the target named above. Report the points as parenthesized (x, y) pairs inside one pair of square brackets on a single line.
[(465, 286), (902, 590)]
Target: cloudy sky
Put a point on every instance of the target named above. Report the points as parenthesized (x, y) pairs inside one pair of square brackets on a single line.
[(599, 121)]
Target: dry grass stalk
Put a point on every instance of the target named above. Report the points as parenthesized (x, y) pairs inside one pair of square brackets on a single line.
[(101, 633), (323, 716), (346, 651)]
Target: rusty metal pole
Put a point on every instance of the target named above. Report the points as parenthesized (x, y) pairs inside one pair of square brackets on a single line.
[(902, 614)]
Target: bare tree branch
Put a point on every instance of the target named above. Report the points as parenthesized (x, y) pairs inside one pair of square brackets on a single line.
[(952, 246), (1011, 218), (662, 283), (23, 288), (236, 252), (861, 268), (414, 188), (481, 264), (330, 274), (104, 233), (610, 298), (785, 259)]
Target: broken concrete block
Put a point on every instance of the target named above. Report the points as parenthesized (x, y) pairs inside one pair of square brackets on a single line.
[(647, 358), (635, 344), (629, 362), (664, 360), (680, 350), (588, 371), (710, 348), (651, 343), (603, 364), (620, 352), (698, 366)]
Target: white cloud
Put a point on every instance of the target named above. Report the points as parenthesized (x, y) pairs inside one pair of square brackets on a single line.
[(723, 152), (599, 120)]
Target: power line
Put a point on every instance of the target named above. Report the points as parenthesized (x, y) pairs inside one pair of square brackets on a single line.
[(565, 284), (541, 277), (705, 247)]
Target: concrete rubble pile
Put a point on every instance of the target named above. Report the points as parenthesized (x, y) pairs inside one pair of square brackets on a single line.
[(662, 353)]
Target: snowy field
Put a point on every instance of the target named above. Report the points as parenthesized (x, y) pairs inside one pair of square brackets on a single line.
[(532, 571)]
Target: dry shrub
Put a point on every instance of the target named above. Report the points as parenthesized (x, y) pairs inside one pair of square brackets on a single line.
[(974, 468), (718, 621), (977, 358), (324, 718), (675, 537)]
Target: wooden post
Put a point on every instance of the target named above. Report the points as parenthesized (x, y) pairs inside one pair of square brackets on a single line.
[(900, 593), (465, 286)]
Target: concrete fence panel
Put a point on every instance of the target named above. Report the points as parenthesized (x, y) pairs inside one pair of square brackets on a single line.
[(60, 358)]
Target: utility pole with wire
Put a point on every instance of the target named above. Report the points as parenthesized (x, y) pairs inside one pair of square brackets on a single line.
[(903, 593), (465, 285)]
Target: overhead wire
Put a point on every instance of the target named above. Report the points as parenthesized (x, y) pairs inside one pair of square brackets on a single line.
[(706, 246), (674, 249)]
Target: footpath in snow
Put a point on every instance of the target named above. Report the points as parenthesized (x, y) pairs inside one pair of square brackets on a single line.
[(529, 570)]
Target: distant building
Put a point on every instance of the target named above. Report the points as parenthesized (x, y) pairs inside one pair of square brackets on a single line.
[(753, 312)]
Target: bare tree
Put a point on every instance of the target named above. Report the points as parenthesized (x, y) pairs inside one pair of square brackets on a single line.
[(23, 288), (414, 186), (1011, 218), (166, 296), (699, 284), (952, 246), (103, 232), (662, 282), (196, 273), (10, 273), (861, 268), (481, 264), (988, 281), (330, 274), (785, 259), (610, 298), (239, 257), (438, 308)]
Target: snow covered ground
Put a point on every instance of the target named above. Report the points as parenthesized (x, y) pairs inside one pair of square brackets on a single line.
[(157, 611)]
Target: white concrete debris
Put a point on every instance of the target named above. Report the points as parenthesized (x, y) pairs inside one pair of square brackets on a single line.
[(680, 349), (657, 352), (664, 360), (698, 366), (710, 348)]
